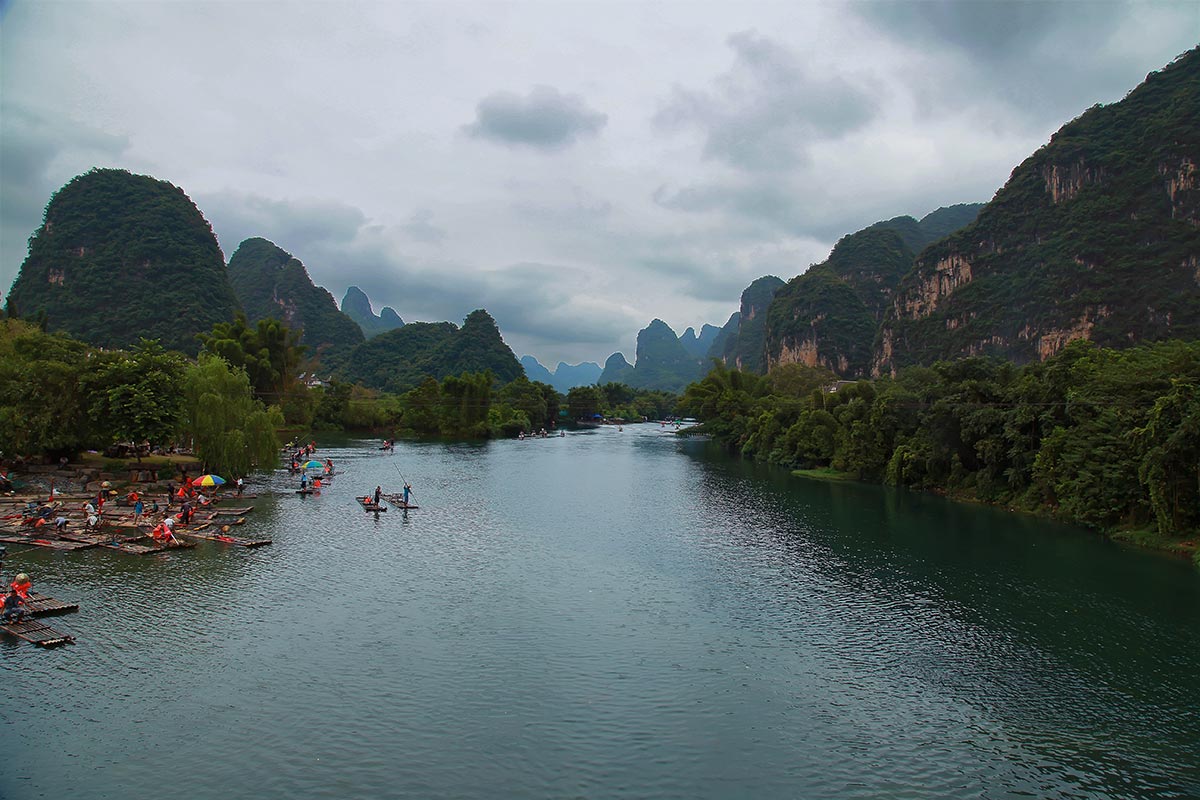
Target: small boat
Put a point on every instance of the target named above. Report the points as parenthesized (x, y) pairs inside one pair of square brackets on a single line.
[(306, 491), (398, 501), (369, 505)]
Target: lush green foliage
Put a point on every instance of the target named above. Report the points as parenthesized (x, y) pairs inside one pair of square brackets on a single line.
[(58, 396), (134, 395), (232, 432), (270, 283), (400, 359), (269, 353), (1098, 232), (123, 256), (1102, 437), (42, 406)]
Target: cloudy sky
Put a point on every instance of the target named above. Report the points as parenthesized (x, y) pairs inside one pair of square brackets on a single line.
[(576, 168)]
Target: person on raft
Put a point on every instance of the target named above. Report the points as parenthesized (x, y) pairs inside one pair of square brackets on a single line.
[(14, 607), (304, 481), (407, 491), (22, 585), (378, 491)]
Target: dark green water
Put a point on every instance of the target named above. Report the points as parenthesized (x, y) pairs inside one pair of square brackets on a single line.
[(613, 614)]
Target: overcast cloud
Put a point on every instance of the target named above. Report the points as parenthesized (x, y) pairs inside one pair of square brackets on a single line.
[(577, 169)]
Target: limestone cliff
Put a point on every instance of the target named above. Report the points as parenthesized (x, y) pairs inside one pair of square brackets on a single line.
[(1094, 236)]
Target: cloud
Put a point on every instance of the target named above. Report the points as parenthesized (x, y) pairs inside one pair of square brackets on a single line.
[(295, 225), (769, 108), (1028, 63), (544, 120), (420, 228)]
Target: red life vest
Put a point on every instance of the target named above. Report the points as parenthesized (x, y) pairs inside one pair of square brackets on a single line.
[(23, 589)]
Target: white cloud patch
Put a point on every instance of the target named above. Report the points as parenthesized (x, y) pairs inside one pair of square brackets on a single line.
[(765, 112), (545, 119)]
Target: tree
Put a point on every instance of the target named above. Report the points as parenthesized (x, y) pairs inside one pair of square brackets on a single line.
[(134, 396), (269, 353), (583, 402), (41, 404), (233, 432)]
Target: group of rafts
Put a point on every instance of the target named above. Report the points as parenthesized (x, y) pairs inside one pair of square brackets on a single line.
[(74, 522), (325, 473)]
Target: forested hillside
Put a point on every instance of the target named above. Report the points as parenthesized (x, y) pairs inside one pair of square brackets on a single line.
[(742, 341), (830, 315), (271, 283), (1096, 236), (398, 360), (120, 257)]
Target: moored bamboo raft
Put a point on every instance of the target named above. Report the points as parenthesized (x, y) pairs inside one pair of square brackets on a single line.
[(220, 536), (130, 545), (37, 632), (53, 544), (39, 605)]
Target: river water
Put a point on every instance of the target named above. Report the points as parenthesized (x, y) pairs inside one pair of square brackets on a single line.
[(610, 614)]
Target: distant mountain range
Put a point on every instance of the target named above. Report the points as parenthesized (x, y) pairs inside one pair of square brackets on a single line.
[(357, 306), (565, 377)]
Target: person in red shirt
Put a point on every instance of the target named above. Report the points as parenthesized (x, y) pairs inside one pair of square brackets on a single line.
[(21, 585)]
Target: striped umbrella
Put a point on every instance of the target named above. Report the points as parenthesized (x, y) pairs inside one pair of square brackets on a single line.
[(208, 480)]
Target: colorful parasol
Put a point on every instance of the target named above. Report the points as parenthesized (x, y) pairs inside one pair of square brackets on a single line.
[(208, 480), (314, 464)]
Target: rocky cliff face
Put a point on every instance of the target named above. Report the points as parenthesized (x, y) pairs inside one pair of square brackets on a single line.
[(741, 343), (830, 315), (1093, 236)]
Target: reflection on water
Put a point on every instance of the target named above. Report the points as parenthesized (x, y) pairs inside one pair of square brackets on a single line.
[(607, 614)]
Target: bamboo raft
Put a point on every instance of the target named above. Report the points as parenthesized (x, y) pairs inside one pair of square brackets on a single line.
[(367, 505), (127, 545), (39, 605), (37, 632), (397, 500), (220, 536), (53, 544)]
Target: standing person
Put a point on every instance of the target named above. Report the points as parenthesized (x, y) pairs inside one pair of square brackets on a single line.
[(14, 607), (407, 490), (138, 508), (304, 481), (241, 485), (378, 491)]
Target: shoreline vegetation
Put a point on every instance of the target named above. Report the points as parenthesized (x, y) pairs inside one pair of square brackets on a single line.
[(1106, 439)]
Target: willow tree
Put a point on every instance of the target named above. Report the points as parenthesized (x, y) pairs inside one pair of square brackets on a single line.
[(232, 431)]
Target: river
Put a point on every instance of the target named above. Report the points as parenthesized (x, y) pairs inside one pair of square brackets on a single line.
[(610, 614)]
